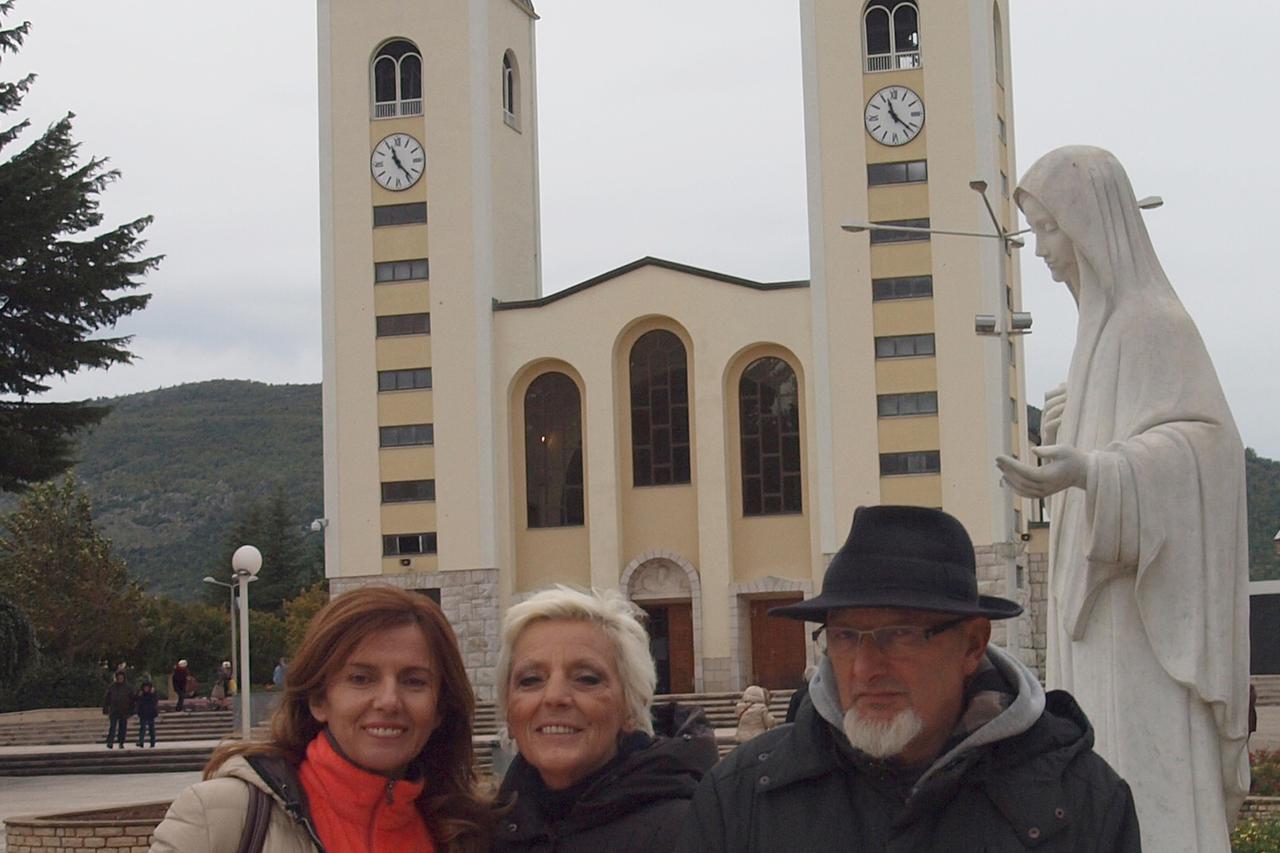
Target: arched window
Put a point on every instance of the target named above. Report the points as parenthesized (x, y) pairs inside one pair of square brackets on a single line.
[(769, 423), (397, 80), (998, 32), (891, 35), (553, 452), (510, 90), (659, 410)]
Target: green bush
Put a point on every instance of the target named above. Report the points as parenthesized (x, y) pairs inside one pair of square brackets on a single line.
[(1264, 765), (1256, 836), (54, 683)]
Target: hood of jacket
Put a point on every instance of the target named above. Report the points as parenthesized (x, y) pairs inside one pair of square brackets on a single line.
[(1024, 709), (670, 767)]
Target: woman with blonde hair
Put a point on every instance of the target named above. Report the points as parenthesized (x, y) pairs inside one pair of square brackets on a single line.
[(598, 768), (370, 747)]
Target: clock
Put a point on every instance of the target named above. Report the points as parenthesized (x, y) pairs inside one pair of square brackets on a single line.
[(397, 162), (894, 115)]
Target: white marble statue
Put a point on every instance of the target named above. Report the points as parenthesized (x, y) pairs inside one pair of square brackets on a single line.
[(1148, 606)]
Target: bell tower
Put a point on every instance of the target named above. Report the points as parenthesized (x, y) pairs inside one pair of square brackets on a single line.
[(906, 103), (429, 212)]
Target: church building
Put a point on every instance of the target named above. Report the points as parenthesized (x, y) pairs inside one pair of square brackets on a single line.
[(696, 440)]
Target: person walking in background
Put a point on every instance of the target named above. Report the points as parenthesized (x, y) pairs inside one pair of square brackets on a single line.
[(753, 714), (178, 683), (222, 686), (148, 710), (278, 674), (117, 704), (797, 698)]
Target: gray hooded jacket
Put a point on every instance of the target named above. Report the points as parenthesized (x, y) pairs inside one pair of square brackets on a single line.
[(1017, 774)]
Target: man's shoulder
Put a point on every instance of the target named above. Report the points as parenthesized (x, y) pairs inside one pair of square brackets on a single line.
[(749, 756)]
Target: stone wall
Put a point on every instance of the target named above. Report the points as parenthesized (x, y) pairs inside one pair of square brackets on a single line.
[(1023, 636), (124, 829), (470, 601)]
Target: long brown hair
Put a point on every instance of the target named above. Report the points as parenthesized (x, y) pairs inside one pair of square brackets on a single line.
[(457, 817)]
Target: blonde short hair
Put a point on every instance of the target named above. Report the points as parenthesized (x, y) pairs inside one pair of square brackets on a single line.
[(617, 617)]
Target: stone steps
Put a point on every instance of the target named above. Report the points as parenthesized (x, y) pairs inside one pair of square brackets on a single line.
[(102, 760), (1268, 689), (202, 725)]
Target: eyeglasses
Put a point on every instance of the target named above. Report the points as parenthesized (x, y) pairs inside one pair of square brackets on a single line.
[(894, 641)]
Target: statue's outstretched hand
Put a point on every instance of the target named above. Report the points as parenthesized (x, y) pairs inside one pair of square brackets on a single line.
[(1055, 402), (1062, 466)]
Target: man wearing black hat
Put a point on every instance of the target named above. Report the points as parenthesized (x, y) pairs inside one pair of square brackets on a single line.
[(917, 735)]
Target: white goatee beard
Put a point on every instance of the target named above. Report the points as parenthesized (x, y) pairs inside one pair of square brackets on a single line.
[(880, 739)]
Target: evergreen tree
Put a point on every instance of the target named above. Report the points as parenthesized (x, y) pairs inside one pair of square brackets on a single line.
[(289, 563), (57, 285), (77, 594)]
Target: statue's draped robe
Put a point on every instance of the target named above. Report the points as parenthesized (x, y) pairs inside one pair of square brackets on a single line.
[(1148, 593)]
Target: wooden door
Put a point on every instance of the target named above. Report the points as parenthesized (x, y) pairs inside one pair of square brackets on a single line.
[(777, 645), (680, 637)]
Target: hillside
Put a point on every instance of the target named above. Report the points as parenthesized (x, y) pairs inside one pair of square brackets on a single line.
[(167, 471)]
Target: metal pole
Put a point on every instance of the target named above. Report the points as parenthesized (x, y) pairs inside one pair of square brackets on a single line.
[(246, 724), (231, 590)]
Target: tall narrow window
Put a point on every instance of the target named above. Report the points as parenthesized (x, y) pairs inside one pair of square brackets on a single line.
[(397, 80), (769, 424), (659, 410), (891, 35), (553, 452), (510, 90), (997, 31)]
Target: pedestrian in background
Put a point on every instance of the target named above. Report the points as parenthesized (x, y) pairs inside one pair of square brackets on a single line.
[(278, 674), (148, 710), (117, 704), (753, 714), (178, 683), (222, 686)]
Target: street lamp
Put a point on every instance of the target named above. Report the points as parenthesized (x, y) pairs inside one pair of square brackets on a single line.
[(231, 588), (245, 563)]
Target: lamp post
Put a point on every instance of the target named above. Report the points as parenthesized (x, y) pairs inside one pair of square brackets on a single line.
[(245, 563), (231, 614)]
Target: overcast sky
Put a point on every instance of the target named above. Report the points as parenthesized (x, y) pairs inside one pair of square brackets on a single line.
[(670, 128)]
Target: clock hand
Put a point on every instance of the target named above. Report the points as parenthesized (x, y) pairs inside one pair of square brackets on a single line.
[(399, 165), (894, 115)]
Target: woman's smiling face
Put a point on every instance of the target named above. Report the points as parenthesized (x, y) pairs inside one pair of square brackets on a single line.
[(565, 706), (381, 706)]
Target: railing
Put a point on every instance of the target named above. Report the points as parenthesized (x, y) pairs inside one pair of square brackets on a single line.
[(893, 61), (391, 109)]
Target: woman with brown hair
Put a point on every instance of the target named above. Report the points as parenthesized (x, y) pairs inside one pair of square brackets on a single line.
[(370, 747)]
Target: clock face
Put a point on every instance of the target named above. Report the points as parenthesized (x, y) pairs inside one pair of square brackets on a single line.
[(894, 115), (397, 162)]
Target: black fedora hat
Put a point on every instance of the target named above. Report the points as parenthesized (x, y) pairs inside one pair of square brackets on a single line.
[(908, 557)]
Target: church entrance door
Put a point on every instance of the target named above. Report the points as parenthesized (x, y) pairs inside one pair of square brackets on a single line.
[(671, 644), (777, 645)]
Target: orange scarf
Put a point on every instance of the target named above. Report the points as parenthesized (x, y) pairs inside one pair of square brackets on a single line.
[(356, 811)]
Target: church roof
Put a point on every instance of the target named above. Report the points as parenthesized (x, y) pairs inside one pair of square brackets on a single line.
[(647, 262)]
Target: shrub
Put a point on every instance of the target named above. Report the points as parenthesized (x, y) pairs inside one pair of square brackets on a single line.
[(1256, 836), (55, 683), (1265, 767)]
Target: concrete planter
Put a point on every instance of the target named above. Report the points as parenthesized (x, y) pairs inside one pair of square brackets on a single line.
[(122, 829)]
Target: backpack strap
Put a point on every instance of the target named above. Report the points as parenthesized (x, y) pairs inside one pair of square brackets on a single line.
[(256, 821)]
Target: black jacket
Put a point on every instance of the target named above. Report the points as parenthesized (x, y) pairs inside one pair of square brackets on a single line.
[(148, 705), (638, 803), (793, 788), (119, 699)]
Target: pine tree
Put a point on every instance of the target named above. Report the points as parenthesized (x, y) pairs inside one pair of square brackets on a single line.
[(58, 286), (289, 564)]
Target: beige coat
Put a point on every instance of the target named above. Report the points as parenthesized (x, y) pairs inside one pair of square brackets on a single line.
[(209, 816), (753, 714)]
